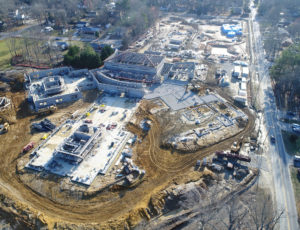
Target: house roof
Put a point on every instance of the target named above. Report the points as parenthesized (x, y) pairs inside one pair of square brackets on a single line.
[(90, 29), (136, 59)]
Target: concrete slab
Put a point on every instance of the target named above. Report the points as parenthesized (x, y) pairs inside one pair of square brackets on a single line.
[(177, 97), (103, 152)]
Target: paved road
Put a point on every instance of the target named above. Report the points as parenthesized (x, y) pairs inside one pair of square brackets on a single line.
[(45, 37), (280, 160), (5, 35)]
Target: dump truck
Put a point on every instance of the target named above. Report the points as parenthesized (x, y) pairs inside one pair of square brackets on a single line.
[(28, 147)]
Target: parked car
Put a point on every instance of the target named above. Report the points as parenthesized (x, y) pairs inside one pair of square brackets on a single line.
[(28, 147), (272, 139), (297, 161), (290, 113)]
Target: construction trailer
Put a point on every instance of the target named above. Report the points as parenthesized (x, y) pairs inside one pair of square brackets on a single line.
[(245, 72), (236, 71), (241, 100)]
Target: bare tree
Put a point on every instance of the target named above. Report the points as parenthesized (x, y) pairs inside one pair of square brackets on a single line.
[(261, 212), (26, 43)]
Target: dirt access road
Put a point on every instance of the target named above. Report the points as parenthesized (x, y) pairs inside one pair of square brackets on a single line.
[(161, 167)]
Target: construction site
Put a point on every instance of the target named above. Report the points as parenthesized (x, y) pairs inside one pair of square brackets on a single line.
[(113, 147), (98, 135)]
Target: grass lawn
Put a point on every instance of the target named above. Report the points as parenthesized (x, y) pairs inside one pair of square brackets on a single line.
[(296, 186), (4, 55), (77, 43), (290, 147)]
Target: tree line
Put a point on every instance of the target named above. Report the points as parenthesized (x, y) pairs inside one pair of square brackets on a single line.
[(285, 73), (86, 57)]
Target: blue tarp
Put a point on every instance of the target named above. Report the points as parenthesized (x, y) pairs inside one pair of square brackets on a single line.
[(231, 30)]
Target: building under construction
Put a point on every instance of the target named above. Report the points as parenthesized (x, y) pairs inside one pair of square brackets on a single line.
[(77, 146), (129, 73), (136, 67), (56, 86)]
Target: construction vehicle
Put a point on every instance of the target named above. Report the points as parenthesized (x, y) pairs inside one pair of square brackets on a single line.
[(95, 107), (28, 147), (194, 87), (272, 139), (75, 114), (113, 125), (45, 136), (4, 128), (235, 147), (47, 110)]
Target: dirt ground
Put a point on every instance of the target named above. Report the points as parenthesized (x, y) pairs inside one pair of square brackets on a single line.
[(161, 166)]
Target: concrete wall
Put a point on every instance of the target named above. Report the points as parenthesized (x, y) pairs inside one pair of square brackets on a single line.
[(174, 81), (130, 92), (130, 68), (79, 73), (107, 80), (45, 73), (56, 99), (87, 85)]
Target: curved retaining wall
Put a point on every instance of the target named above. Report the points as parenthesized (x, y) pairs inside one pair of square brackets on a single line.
[(107, 80)]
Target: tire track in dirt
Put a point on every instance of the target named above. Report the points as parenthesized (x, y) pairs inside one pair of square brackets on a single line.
[(108, 205), (190, 158)]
